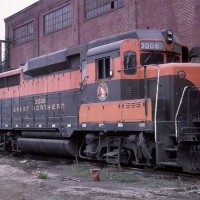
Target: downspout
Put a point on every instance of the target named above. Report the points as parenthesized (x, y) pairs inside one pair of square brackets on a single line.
[(136, 14), (38, 35), (78, 31)]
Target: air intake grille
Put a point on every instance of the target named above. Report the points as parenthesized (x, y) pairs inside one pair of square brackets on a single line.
[(128, 91)]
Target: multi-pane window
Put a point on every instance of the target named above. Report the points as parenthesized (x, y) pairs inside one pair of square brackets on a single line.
[(23, 33), (57, 20), (103, 68), (94, 8)]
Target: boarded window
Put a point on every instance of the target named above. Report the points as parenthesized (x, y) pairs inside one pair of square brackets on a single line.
[(23, 34), (57, 20), (94, 8)]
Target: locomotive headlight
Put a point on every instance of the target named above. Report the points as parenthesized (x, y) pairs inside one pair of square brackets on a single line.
[(168, 35)]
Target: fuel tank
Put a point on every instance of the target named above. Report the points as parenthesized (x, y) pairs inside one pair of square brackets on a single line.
[(41, 134), (51, 147)]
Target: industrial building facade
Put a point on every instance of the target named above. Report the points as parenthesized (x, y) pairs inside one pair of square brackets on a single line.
[(50, 25)]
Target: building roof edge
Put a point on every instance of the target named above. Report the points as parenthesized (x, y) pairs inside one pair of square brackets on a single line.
[(23, 10)]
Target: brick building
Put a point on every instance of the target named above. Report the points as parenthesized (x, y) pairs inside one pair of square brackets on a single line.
[(51, 25)]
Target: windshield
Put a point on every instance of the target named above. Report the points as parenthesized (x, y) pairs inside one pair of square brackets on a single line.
[(173, 58), (151, 58)]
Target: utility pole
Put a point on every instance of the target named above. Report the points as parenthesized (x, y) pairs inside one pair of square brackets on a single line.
[(4, 59)]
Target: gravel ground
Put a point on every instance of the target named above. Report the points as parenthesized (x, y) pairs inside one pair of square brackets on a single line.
[(38, 178)]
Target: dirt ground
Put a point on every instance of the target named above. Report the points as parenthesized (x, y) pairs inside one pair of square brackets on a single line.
[(38, 178)]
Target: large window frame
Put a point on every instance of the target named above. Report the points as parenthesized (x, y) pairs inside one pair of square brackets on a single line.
[(23, 33), (94, 8), (103, 66), (57, 20)]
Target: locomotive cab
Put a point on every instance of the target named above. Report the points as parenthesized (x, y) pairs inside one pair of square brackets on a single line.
[(116, 76)]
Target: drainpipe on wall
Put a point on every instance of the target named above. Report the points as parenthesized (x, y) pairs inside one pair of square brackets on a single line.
[(38, 35), (5, 59), (78, 31), (136, 14)]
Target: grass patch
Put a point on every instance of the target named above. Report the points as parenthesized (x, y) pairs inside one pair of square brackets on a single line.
[(134, 178), (116, 175), (78, 170)]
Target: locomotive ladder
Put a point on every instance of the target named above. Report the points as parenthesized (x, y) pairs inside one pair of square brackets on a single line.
[(179, 106), (169, 150), (179, 149), (188, 144)]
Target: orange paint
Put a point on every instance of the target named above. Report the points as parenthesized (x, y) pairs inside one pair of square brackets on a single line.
[(118, 111), (54, 83)]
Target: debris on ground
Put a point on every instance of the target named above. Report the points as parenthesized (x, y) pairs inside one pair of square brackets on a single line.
[(68, 180)]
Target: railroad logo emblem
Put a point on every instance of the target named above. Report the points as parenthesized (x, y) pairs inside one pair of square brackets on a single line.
[(102, 91), (181, 74)]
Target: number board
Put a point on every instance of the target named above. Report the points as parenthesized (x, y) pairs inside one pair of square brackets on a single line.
[(152, 45)]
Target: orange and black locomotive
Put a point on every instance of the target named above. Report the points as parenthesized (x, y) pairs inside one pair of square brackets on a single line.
[(133, 98)]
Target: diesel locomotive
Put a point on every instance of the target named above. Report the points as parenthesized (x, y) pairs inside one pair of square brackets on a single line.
[(132, 98)]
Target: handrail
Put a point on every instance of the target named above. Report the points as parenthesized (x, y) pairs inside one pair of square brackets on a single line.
[(178, 109), (179, 106), (156, 103)]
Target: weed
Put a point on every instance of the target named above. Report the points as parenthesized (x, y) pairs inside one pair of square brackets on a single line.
[(178, 181), (42, 175)]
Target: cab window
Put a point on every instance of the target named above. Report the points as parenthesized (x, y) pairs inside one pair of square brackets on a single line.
[(173, 58), (130, 62), (151, 58), (103, 67)]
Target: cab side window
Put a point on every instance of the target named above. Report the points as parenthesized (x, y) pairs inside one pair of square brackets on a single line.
[(130, 62), (103, 67)]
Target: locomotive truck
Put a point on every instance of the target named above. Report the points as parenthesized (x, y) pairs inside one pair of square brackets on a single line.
[(131, 98)]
